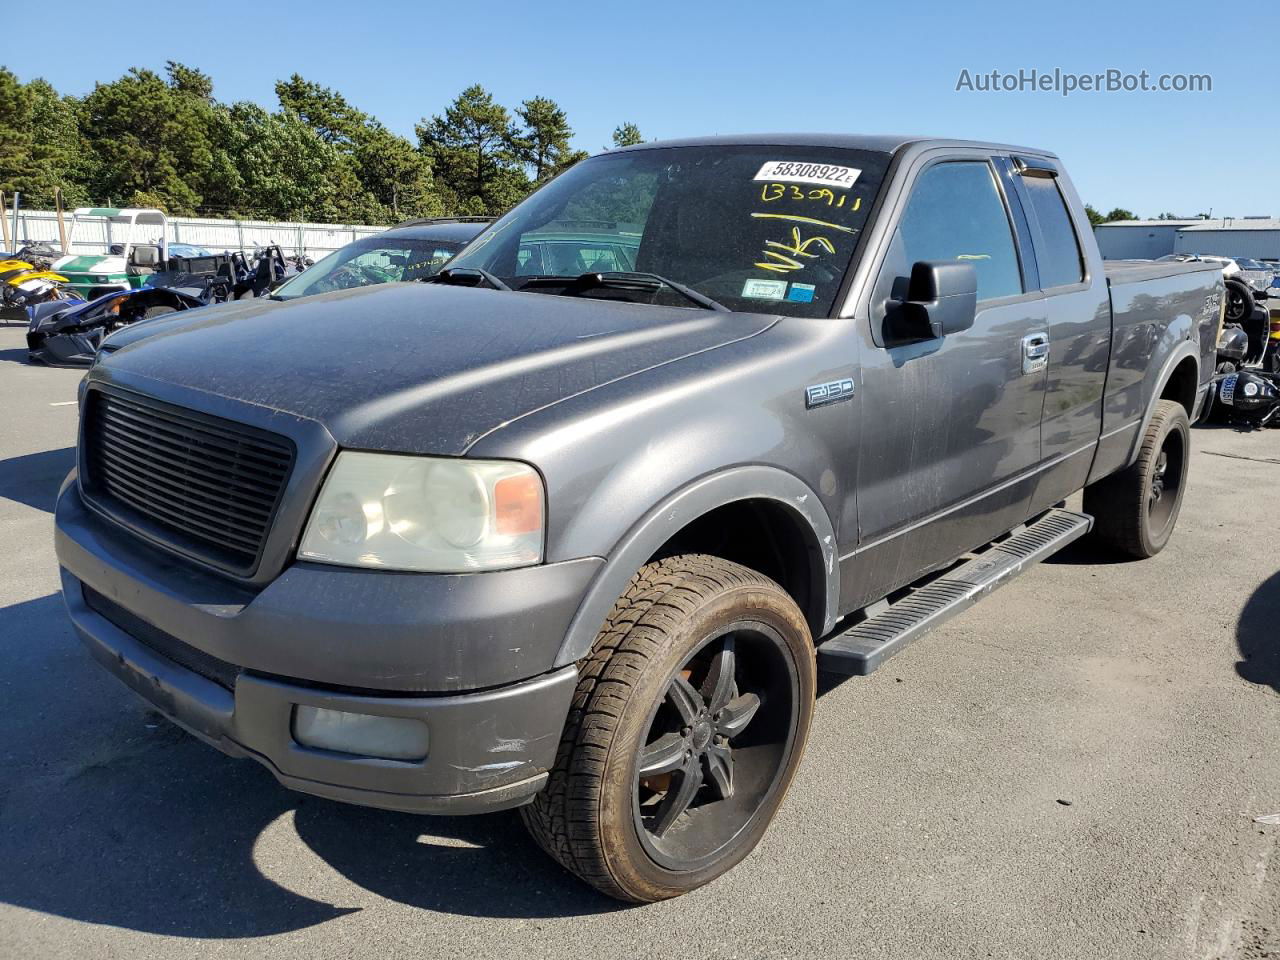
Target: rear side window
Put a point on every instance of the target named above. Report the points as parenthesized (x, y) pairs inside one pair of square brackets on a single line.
[(1058, 252), (956, 213)]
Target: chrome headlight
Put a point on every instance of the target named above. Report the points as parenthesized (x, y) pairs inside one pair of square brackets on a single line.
[(428, 514)]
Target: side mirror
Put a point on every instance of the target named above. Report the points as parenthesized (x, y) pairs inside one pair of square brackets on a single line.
[(942, 298)]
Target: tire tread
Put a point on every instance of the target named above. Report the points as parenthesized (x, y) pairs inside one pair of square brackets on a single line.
[(564, 818), (1118, 503)]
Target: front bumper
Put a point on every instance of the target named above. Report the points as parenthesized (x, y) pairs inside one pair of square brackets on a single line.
[(206, 654)]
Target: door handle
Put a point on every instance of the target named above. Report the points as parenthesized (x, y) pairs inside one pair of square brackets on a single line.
[(1035, 352)]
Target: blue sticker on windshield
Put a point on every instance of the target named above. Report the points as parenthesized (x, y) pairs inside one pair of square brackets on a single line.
[(801, 293)]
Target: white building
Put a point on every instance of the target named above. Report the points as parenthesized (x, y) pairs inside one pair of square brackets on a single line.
[(1255, 237)]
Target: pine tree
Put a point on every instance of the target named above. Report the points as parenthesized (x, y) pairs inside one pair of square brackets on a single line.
[(473, 153)]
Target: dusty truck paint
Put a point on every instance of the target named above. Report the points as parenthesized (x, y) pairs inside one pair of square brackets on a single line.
[(877, 388)]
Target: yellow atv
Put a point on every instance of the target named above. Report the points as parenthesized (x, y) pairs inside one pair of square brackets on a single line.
[(23, 284)]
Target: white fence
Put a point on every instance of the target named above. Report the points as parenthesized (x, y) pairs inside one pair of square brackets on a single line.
[(93, 235)]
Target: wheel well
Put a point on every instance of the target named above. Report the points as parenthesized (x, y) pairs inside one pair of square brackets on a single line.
[(769, 538), (1182, 385)]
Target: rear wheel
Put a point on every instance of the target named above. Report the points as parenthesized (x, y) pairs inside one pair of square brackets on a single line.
[(688, 724), (1136, 509)]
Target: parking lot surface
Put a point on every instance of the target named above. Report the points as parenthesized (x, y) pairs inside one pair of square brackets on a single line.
[(1072, 768)]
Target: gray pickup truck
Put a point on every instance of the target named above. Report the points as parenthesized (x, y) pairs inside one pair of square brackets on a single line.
[(578, 542)]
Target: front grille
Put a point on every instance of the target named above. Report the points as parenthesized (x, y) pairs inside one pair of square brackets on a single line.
[(170, 647), (207, 487)]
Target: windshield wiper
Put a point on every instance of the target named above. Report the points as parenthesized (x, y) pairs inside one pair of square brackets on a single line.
[(616, 280), (467, 277)]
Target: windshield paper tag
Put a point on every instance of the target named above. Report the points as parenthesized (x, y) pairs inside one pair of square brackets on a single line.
[(792, 171), (765, 289)]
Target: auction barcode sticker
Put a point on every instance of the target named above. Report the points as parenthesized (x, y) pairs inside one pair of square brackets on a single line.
[(795, 171)]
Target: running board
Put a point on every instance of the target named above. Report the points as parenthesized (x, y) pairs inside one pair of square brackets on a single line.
[(889, 627)]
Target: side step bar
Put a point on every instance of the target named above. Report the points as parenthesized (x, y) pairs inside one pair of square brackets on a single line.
[(889, 627)]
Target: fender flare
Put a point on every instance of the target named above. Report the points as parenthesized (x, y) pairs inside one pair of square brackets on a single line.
[(1188, 347), (661, 522)]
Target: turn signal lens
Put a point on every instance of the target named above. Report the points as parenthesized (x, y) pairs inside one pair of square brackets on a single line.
[(517, 503)]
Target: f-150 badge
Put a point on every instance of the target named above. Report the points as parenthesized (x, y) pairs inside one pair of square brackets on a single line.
[(820, 394)]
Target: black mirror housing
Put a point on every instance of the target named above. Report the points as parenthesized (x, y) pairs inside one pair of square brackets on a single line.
[(942, 298)]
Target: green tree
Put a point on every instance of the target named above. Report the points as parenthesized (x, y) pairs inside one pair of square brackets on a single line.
[(472, 153), (543, 143), (131, 126), (627, 135), (1094, 216), (152, 138), (285, 165), (164, 140), (291, 172), (40, 150), (325, 110), (1119, 213), (397, 175), (189, 81)]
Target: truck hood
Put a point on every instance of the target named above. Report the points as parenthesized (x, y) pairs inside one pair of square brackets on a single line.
[(415, 368)]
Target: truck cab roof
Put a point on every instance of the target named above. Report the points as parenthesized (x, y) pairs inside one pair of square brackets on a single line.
[(881, 143)]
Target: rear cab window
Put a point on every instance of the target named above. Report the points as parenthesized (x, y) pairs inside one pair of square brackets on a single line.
[(1058, 255)]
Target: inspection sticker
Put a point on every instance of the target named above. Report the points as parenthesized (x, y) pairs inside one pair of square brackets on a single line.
[(765, 289), (794, 171), (801, 293)]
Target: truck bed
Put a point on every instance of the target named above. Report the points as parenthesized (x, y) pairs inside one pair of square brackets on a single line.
[(1173, 309), (1136, 271)]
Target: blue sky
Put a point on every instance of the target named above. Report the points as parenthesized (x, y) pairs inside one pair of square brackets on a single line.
[(689, 67)]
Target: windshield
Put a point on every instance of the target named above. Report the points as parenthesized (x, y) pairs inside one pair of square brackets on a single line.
[(188, 250), (757, 228), (366, 262)]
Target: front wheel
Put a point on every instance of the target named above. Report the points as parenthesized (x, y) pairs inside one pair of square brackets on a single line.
[(1136, 509), (689, 721)]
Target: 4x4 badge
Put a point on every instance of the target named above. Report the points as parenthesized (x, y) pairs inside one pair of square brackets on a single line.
[(820, 394)]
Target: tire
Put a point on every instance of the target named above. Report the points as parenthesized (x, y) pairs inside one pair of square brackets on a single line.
[(622, 828), (1240, 301), (1136, 509)]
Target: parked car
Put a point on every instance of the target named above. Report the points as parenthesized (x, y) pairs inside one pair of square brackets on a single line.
[(578, 246), (414, 250), (1257, 274), (188, 250), (578, 543)]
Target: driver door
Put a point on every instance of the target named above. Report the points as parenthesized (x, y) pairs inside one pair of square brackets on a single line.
[(950, 427)]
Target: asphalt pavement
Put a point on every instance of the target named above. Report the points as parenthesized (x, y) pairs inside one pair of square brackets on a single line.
[(1071, 769)]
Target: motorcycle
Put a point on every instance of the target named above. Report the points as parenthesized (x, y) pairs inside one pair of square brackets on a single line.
[(70, 335), (1249, 398), (26, 280)]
